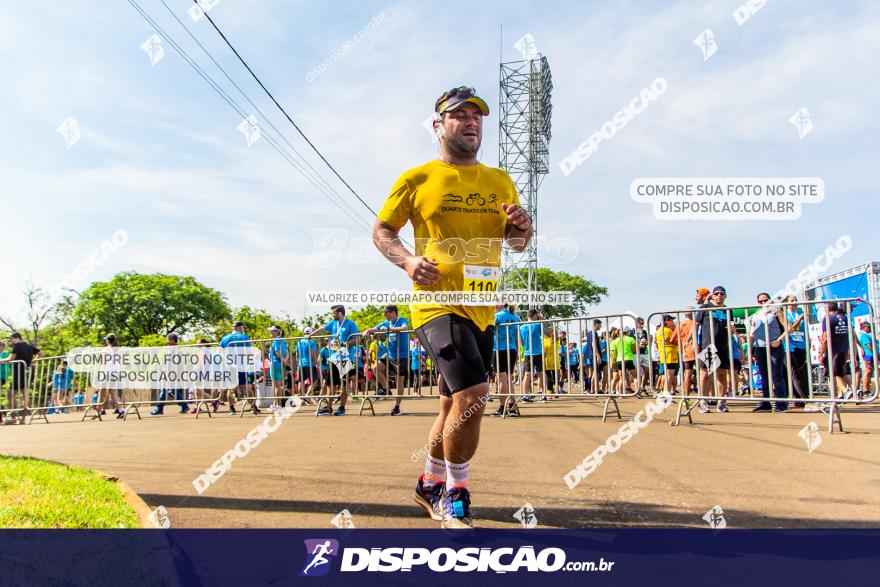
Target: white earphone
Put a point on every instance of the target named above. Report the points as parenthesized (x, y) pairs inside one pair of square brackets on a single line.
[(439, 130)]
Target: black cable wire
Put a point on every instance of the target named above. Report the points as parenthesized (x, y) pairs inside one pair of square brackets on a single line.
[(260, 112), (268, 93), (240, 111)]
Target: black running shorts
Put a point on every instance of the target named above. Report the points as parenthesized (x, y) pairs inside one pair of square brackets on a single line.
[(462, 353), (534, 363), (839, 364), (504, 361)]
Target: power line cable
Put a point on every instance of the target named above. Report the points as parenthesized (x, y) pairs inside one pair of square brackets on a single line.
[(341, 204), (283, 111), (260, 112)]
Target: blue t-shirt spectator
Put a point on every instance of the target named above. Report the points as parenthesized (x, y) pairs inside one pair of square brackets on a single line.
[(278, 347), (304, 348), (63, 379), (416, 355), (359, 352), (867, 342), (398, 342), (797, 339), (236, 340), (734, 345), (342, 332), (532, 336), (324, 358), (239, 338), (505, 336), (603, 350), (573, 357), (587, 353)]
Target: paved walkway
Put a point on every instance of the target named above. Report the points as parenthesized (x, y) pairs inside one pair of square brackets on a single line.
[(755, 466)]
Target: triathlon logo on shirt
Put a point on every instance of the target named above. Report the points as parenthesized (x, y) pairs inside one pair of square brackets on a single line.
[(471, 203)]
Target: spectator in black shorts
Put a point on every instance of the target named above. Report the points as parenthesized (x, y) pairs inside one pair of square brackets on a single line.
[(18, 380), (396, 328), (592, 344), (838, 347), (531, 335), (713, 348), (504, 356)]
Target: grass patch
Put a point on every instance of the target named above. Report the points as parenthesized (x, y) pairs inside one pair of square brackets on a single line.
[(39, 494)]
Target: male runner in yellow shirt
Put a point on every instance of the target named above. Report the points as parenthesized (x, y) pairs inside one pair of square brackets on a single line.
[(460, 211)]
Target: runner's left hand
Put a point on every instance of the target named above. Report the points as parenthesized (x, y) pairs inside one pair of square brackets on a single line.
[(517, 216)]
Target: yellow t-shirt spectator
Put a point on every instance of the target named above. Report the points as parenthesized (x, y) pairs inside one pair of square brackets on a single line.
[(551, 354), (667, 344)]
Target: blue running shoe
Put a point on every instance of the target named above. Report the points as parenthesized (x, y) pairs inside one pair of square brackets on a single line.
[(430, 499), (340, 411), (457, 508)]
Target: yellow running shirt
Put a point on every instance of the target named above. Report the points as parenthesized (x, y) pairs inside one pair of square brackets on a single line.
[(457, 219)]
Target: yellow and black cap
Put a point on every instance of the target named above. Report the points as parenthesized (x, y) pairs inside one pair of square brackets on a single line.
[(452, 99)]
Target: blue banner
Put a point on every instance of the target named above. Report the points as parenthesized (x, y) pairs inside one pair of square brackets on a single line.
[(473, 557), (855, 286)]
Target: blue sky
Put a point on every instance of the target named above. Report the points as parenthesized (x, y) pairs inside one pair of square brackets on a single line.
[(160, 155)]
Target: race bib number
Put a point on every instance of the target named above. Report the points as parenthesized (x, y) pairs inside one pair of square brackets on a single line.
[(479, 278)]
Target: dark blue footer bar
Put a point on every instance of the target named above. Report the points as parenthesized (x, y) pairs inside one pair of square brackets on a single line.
[(740, 558)]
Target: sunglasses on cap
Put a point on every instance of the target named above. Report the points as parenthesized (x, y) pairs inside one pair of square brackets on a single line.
[(453, 98)]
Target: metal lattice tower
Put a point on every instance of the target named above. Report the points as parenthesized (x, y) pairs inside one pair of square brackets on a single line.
[(524, 153)]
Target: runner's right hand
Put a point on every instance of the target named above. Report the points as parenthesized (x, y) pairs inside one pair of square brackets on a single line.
[(422, 270)]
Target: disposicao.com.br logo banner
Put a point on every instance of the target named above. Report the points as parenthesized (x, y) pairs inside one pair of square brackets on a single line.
[(468, 559)]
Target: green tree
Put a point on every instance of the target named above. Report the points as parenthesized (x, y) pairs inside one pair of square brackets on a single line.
[(134, 305), (585, 292)]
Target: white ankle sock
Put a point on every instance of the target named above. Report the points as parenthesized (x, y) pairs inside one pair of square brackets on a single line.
[(456, 475), (435, 472)]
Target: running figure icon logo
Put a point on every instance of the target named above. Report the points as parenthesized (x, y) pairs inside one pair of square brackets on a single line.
[(250, 129), (343, 520), (159, 518), (526, 516), (802, 122), (70, 131), (153, 47), (715, 518), (810, 435), (320, 554), (709, 357), (706, 42)]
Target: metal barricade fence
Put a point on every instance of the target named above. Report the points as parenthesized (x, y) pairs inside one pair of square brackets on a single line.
[(609, 360), (14, 382), (325, 371), (55, 388), (777, 347), (600, 357), (395, 366)]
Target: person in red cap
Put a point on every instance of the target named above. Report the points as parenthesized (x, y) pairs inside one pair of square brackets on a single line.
[(454, 199)]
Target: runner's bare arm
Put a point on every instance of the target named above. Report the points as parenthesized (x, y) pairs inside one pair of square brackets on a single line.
[(422, 270), (519, 227)]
